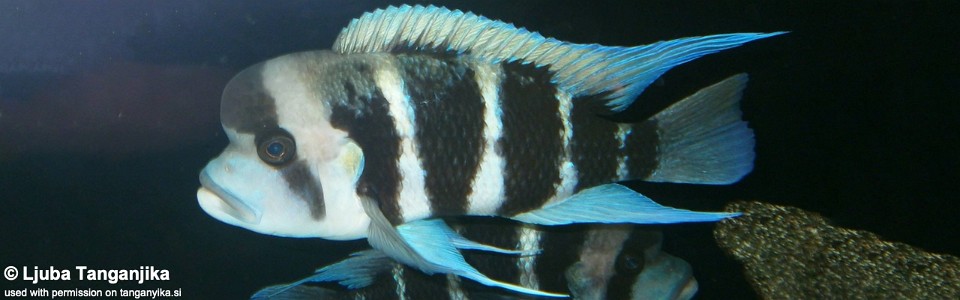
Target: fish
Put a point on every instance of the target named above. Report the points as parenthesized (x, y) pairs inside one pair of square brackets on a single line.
[(588, 261), (422, 113)]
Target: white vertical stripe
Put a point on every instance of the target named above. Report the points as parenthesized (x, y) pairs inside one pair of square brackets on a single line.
[(397, 273), (288, 81), (414, 204), (622, 134), (568, 171), (598, 256), (529, 240), (454, 289), (487, 192)]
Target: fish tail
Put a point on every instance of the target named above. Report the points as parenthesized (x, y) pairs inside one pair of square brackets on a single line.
[(700, 139)]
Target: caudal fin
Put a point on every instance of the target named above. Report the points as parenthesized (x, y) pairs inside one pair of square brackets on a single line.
[(700, 139)]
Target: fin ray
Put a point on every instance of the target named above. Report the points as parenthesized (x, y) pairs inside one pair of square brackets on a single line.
[(431, 240), (357, 271), (285, 292), (458, 241), (703, 139), (613, 203), (427, 245), (617, 73)]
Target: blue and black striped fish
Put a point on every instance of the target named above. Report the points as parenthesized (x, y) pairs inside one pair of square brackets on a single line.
[(419, 113)]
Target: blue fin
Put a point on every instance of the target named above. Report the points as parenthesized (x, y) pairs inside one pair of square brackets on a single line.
[(383, 236), (617, 73), (427, 245), (300, 292), (613, 203), (463, 243), (702, 139), (432, 241), (357, 271)]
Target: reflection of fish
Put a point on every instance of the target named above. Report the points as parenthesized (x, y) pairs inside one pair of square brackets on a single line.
[(591, 262), (422, 112)]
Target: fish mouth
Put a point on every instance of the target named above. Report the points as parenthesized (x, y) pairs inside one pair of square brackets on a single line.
[(214, 198), (689, 289)]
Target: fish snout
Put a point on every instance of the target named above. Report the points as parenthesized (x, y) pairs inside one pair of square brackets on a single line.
[(220, 203)]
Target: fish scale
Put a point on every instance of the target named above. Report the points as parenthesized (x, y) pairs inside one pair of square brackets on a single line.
[(594, 147), (532, 143), (450, 127), (375, 133)]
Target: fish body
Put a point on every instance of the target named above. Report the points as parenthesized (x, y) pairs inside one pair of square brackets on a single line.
[(419, 113)]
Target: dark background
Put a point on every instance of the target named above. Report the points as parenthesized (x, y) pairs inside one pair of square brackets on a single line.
[(855, 112)]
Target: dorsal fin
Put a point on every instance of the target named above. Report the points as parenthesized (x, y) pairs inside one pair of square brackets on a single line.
[(619, 74)]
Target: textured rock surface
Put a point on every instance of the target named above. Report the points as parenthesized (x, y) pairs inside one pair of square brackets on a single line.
[(789, 253)]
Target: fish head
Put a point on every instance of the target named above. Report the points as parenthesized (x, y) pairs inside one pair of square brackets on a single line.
[(286, 171), (656, 274), (624, 262)]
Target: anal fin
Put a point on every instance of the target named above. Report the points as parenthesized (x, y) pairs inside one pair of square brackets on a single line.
[(614, 203)]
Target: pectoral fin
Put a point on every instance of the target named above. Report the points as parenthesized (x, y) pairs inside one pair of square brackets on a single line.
[(614, 203), (383, 236), (351, 158), (357, 271)]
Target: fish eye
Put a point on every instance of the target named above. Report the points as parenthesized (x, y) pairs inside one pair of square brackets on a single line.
[(629, 264), (276, 147)]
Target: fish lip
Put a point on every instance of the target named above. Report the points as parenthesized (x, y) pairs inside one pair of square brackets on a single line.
[(689, 289), (238, 210)]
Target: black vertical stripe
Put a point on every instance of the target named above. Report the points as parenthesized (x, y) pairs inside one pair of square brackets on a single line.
[(366, 118), (422, 286), (532, 138), (449, 124), (561, 249), (631, 262), (247, 107), (383, 287), (302, 182), (495, 232), (641, 150), (594, 145)]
